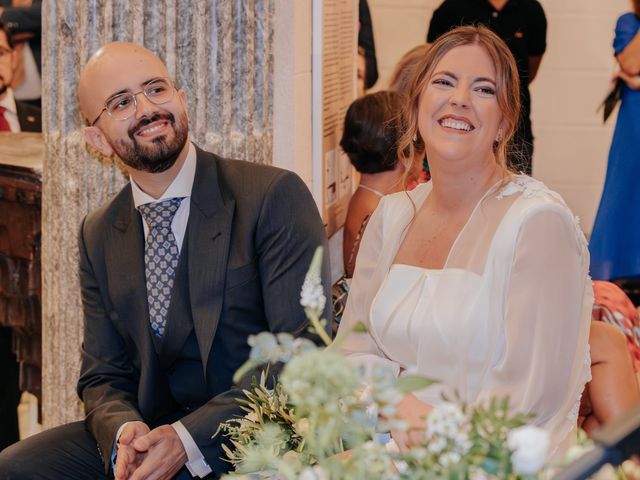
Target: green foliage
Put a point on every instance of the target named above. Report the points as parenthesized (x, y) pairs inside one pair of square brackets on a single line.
[(319, 420)]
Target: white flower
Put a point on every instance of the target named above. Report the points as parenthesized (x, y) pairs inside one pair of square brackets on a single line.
[(265, 347), (372, 411), (312, 294), (436, 445), (446, 419), (530, 446), (449, 458), (314, 473)]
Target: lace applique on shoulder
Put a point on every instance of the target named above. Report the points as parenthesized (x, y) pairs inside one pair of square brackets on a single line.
[(522, 183), (531, 187)]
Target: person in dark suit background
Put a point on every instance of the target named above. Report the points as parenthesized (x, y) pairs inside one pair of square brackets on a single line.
[(162, 340), (366, 45), (14, 117), (23, 19), (522, 25)]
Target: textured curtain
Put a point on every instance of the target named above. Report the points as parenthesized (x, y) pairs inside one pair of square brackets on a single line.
[(218, 51)]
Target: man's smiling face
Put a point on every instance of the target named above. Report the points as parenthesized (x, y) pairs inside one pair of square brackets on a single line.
[(152, 138)]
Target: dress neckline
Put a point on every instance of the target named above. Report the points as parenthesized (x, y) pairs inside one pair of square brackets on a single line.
[(458, 236), (416, 267)]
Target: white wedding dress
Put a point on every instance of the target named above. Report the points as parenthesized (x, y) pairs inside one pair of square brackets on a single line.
[(507, 315)]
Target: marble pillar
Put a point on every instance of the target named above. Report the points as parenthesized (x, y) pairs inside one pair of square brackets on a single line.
[(218, 51)]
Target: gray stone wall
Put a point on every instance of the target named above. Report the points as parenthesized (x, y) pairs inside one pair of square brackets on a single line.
[(218, 51)]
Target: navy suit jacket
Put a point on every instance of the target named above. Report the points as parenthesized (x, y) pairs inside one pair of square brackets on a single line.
[(251, 233), (30, 117)]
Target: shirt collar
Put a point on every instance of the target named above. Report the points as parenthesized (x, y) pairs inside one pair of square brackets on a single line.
[(180, 187), (9, 102), (508, 5)]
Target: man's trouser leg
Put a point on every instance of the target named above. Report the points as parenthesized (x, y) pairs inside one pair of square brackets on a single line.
[(68, 452)]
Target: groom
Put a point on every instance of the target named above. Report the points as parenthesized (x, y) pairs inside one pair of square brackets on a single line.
[(177, 270)]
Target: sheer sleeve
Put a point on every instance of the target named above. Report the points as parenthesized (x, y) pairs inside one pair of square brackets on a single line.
[(545, 362), (367, 278)]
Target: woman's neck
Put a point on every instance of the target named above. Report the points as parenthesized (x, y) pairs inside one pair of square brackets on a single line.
[(498, 4), (455, 188), (383, 182)]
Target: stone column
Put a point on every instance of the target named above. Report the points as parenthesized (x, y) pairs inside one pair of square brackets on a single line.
[(218, 51)]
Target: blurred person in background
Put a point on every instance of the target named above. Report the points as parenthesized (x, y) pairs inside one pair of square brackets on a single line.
[(404, 70), (450, 274), (14, 117), (370, 137), (614, 245), (401, 82), (23, 18), (366, 46), (522, 25)]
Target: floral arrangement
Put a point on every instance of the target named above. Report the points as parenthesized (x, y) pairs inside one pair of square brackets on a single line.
[(320, 421)]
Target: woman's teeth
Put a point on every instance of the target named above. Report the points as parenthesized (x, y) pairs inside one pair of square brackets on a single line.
[(456, 124)]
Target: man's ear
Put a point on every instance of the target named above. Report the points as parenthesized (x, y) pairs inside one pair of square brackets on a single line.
[(95, 138), (183, 98)]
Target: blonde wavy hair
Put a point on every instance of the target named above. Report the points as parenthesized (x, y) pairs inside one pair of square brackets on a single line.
[(404, 70), (507, 89)]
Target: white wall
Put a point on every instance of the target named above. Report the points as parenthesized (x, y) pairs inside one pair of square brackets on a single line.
[(292, 100), (571, 143), (292, 88), (398, 26)]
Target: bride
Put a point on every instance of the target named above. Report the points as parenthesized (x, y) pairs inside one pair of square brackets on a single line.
[(477, 279)]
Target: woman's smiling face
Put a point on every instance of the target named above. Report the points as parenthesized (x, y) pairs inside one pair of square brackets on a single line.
[(459, 115)]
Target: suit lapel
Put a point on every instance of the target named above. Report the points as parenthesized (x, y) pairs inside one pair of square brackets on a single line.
[(209, 231), (124, 254), (29, 117)]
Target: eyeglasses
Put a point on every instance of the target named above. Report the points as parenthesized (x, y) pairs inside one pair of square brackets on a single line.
[(5, 51), (123, 105)]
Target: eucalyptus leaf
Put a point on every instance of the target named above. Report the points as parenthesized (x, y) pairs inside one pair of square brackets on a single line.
[(412, 383)]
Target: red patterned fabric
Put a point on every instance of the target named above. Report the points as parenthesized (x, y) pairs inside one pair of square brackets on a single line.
[(613, 306), (4, 125)]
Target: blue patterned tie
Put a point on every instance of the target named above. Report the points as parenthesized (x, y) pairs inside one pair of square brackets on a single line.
[(160, 259)]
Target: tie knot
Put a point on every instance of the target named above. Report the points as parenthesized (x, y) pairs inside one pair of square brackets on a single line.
[(160, 214)]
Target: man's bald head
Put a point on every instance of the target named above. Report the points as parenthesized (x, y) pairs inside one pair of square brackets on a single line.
[(116, 67)]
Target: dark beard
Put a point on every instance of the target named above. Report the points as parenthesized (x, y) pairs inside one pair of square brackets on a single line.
[(161, 155)]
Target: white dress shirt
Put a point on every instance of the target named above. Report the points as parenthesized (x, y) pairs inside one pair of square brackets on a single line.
[(180, 187), (11, 112)]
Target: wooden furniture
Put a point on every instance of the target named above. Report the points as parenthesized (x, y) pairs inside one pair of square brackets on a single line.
[(21, 159)]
